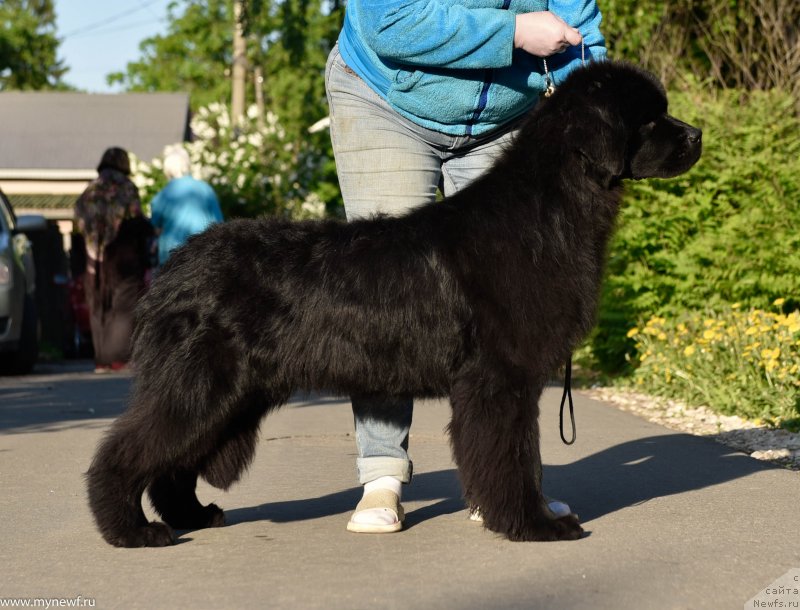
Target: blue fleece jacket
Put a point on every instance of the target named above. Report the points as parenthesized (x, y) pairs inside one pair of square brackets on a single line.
[(451, 65)]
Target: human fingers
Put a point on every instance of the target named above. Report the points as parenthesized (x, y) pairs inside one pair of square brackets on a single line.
[(544, 33), (572, 36)]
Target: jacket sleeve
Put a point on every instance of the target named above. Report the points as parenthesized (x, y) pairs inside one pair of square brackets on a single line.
[(585, 17), (438, 33)]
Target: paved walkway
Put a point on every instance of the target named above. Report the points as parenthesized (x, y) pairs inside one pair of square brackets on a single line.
[(674, 521)]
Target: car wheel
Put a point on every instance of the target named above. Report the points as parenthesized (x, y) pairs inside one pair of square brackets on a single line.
[(21, 361)]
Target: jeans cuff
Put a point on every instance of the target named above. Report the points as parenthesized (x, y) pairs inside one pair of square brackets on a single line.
[(372, 468)]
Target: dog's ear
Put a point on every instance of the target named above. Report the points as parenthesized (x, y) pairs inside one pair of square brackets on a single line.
[(600, 149)]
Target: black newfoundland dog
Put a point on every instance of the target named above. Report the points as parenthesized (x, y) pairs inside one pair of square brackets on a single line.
[(478, 298)]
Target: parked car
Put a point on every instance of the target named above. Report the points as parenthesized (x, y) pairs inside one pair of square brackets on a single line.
[(19, 323)]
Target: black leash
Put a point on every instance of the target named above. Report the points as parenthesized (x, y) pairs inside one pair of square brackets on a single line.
[(567, 394)]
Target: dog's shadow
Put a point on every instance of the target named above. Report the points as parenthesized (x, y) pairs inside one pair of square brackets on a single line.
[(618, 477)]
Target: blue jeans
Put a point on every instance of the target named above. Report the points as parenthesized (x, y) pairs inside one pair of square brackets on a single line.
[(387, 164)]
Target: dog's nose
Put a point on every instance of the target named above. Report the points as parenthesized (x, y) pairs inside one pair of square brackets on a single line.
[(694, 135)]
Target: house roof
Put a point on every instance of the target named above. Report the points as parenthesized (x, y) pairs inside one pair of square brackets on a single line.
[(46, 131)]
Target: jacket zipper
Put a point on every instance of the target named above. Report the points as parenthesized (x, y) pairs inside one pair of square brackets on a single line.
[(483, 99)]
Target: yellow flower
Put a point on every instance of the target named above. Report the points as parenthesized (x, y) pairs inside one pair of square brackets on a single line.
[(778, 302), (632, 332), (771, 354), (689, 350)]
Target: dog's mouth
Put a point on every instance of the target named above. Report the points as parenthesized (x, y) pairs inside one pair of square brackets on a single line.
[(688, 156), (678, 161)]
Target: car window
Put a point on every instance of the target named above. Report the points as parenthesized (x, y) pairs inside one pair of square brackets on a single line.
[(6, 215)]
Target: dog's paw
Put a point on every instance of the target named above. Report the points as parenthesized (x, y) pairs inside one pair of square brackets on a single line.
[(568, 528), (153, 534), (208, 516), (549, 530)]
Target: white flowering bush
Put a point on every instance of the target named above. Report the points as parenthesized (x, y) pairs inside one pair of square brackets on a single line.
[(252, 167)]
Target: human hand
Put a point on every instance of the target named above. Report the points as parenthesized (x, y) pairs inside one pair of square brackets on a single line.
[(544, 33)]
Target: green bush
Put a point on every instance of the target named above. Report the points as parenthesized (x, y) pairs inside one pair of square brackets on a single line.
[(725, 232)]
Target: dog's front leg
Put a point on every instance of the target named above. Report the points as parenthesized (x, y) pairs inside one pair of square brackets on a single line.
[(495, 437)]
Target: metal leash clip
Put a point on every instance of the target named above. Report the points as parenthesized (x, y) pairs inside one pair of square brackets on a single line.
[(550, 86)]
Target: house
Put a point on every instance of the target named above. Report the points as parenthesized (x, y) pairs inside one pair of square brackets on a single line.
[(51, 142)]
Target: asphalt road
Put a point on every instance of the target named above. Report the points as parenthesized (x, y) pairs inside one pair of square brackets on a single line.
[(674, 521)]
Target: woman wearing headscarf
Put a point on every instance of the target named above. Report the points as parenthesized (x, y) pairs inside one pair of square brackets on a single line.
[(109, 217)]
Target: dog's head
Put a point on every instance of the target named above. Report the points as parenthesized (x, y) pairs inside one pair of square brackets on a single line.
[(616, 122)]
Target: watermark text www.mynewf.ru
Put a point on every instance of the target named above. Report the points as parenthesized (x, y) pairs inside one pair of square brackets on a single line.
[(47, 602), (783, 593)]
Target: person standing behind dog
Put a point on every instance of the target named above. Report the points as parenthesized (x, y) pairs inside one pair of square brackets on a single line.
[(423, 95), (108, 215), (184, 207)]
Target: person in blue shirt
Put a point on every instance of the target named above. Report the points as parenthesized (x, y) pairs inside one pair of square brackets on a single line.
[(185, 206), (423, 94)]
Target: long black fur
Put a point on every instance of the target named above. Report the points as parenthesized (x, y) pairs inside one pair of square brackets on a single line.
[(478, 298)]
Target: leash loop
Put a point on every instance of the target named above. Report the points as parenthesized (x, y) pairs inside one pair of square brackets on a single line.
[(567, 395)]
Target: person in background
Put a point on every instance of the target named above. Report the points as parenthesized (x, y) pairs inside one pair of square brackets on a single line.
[(185, 206), (423, 95), (108, 216)]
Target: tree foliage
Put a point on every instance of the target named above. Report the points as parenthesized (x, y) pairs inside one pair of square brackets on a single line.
[(29, 46), (289, 40), (194, 55)]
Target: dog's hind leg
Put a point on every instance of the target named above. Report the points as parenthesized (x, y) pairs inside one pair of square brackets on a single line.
[(116, 480), (495, 438), (222, 460), (173, 497)]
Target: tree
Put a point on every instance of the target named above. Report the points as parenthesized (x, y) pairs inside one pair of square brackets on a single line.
[(293, 39), (289, 41), (29, 46), (193, 56)]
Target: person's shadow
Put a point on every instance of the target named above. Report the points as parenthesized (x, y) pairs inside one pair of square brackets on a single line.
[(616, 478)]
